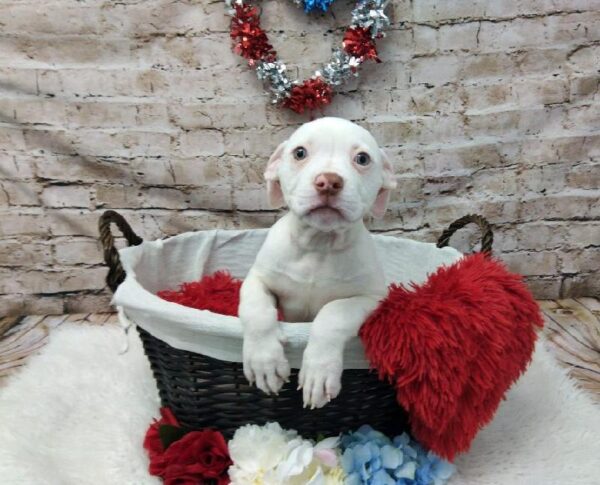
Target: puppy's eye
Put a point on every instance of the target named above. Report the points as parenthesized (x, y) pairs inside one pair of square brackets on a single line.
[(300, 153), (363, 159)]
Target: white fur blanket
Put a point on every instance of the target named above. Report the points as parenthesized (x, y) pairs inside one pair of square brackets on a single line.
[(77, 413)]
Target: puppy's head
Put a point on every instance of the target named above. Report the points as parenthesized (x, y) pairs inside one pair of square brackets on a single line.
[(330, 173)]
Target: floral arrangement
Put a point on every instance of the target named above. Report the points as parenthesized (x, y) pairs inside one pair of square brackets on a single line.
[(369, 21), (271, 455)]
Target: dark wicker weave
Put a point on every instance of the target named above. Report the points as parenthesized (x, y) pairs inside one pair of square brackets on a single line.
[(206, 392)]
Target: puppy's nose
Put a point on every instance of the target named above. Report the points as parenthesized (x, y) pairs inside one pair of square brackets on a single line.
[(329, 183)]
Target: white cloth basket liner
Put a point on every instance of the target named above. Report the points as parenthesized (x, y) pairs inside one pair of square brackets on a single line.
[(164, 264)]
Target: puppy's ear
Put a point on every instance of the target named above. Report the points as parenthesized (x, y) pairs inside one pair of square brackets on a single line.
[(389, 183), (274, 191)]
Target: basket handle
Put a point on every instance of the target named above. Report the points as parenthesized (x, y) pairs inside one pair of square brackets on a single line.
[(487, 236), (116, 274)]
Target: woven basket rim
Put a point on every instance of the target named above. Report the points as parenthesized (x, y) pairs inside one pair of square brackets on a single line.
[(221, 336), (118, 272)]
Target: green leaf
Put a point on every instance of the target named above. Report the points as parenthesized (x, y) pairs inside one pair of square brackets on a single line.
[(169, 434)]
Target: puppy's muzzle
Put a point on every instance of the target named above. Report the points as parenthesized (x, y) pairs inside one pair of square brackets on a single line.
[(328, 184)]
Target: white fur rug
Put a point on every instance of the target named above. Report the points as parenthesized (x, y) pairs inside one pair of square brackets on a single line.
[(77, 413)]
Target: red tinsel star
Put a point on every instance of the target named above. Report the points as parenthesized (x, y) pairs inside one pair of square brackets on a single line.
[(310, 95), (251, 42), (359, 43)]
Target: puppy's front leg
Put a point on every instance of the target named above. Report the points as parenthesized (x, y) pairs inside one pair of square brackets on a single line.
[(264, 358), (323, 359)]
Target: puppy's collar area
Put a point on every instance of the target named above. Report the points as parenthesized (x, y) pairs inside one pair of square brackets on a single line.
[(309, 238)]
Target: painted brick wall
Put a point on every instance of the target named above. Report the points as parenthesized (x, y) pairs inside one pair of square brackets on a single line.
[(139, 105)]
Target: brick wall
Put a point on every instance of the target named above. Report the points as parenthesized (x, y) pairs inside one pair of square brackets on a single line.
[(139, 105)]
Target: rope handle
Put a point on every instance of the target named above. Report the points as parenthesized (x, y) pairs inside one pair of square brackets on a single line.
[(116, 274), (487, 236)]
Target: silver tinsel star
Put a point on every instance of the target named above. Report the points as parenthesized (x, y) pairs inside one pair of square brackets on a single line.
[(370, 14), (339, 68), (275, 74), (231, 4)]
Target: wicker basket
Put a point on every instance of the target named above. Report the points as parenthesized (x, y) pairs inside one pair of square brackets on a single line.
[(206, 392)]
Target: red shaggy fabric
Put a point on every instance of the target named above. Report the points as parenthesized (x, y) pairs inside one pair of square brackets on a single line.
[(452, 347), (218, 293)]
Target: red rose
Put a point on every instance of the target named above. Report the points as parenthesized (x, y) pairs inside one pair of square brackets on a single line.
[(198, 456), (153, 444), (152, 441)]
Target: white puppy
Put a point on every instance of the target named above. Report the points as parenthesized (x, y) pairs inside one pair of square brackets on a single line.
[(318, 262)]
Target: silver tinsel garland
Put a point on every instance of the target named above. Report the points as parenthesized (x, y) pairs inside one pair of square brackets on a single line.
[(367, 14), (370, 14), (275, 74), (230, 4), (341, 67)]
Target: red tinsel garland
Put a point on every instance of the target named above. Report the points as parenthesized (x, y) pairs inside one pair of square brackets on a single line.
[(311, 95), (251, 42), (358, 43)]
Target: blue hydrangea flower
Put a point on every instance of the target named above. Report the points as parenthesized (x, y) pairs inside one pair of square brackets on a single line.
[(323, 5), (371, 458)]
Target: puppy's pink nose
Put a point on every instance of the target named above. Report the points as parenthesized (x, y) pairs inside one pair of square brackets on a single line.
[(329, 183)]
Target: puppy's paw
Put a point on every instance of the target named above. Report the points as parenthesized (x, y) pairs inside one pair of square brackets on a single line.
[(265, 363), (320, 377)]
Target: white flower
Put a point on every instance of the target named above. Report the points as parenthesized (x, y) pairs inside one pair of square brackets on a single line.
[(326, 451), (308, 464), (269, 455), (298, 456), (256, 451)]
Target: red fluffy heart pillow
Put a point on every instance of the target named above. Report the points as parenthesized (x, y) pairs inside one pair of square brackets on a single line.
[(451, 346)]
